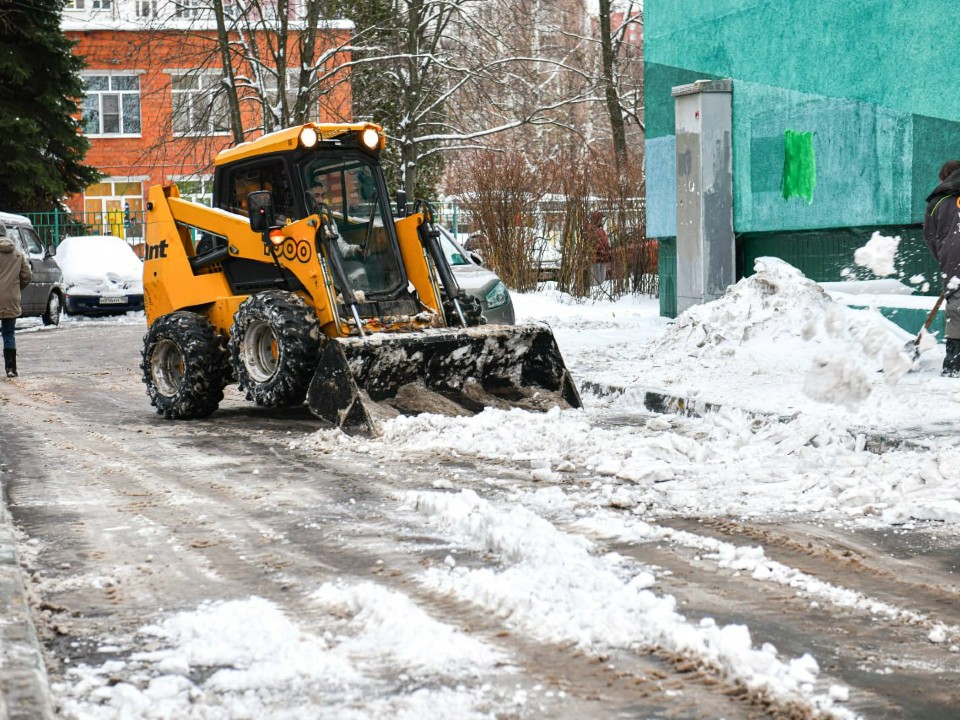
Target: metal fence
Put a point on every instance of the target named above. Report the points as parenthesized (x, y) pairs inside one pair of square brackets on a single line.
[(547, 217), (55, 225)]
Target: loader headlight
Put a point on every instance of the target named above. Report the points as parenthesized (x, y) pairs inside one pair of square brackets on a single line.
[(498, 295), (370, 138), (308, 137)]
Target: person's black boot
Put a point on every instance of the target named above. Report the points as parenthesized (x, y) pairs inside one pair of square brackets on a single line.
[(10, 361), (951, 361)]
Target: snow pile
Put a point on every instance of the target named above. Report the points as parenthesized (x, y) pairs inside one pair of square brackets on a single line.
[(769, 321), (390, 627), (99, 265), (593, 600), (887, 286), (878, 254), (246, 659), (772, 305), (716, 465)]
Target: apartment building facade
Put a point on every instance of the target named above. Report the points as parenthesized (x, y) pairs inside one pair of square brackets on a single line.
[(837, 94), (157, 96)]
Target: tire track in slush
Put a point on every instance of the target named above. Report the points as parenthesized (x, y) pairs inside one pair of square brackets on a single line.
[(898, 607)]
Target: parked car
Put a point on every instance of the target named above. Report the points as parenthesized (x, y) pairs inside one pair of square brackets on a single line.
[(544, 256), (43, 297), (547, 259), (102, 275), (477, 280)]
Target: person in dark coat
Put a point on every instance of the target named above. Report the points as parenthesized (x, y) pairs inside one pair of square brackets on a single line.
[(14, 276), (941, 232)]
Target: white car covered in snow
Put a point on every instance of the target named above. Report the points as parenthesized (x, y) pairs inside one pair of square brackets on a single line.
[(102, 275)]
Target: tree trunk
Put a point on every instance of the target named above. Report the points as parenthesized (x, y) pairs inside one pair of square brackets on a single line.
[(233, 100), (611, 95), (408, 160)]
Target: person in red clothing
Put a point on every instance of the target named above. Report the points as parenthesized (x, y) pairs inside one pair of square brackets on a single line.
[(602, 254)]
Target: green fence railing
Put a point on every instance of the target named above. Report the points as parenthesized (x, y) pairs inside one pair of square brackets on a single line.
[(55, 225)]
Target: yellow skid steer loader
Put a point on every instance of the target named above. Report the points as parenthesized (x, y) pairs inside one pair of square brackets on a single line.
[(300, 284)]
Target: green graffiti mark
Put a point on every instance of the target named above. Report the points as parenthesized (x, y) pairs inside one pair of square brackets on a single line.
[(799, 166)]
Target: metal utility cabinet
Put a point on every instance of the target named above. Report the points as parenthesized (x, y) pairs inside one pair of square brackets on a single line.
[(706, 256)]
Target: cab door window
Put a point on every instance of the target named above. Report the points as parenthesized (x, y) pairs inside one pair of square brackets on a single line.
[(271, 176)]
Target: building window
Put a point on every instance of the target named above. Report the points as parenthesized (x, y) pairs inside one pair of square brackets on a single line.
[(198, 189), (111, 105), (92, 4), (189, 8), (270, 84), (199, 104), (146, 8)]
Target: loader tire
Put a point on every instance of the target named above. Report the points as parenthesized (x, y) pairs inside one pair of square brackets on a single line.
[(274, 346), (185, 366)]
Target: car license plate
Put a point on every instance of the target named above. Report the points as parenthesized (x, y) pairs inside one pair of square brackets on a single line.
[(116, 300)]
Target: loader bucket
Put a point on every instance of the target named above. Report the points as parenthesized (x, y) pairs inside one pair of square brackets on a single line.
[(360, 380)]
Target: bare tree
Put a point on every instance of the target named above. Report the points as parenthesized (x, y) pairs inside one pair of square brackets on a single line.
[(441, 76), (619, 89), (449, 75)]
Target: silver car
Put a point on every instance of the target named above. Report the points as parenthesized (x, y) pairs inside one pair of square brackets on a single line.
[(477, 280), (43, 297)]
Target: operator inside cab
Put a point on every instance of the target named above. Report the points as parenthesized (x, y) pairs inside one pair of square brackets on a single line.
[(347, 251), (350, 194)]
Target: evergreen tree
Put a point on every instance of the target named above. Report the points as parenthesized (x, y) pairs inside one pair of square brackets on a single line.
[(41, 148)]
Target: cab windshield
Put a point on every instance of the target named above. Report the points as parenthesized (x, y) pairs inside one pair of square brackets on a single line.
[(368, 250)]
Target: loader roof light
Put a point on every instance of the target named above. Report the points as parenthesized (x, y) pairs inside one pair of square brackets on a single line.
[(308, 137), (370, 138)]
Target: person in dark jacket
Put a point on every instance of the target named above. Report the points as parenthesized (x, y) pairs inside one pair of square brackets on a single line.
[(941, 232), (14, 277)]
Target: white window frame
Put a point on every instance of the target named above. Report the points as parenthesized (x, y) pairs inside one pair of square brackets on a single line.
[(113, 220), (190, 9), (146, 8), (100, 97), (204, 197), (270, 86), (210, 87), (93, 5)]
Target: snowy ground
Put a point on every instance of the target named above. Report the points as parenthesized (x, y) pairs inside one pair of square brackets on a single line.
[(801, 380)]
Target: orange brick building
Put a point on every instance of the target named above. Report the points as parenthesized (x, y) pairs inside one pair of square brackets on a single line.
[(156, 109)]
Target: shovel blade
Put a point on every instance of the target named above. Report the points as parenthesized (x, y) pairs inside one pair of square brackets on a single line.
[(360, 381)]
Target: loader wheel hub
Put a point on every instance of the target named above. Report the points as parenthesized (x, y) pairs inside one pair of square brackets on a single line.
[(260, 351), (167, 367)]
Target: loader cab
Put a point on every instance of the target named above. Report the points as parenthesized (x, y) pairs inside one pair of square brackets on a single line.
[(350, 183)]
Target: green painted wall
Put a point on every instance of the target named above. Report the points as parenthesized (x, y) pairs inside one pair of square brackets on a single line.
[(867, 81), (864, 169), (890, 53)]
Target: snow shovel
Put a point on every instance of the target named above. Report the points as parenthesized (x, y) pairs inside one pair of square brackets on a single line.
[(912, 348)]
